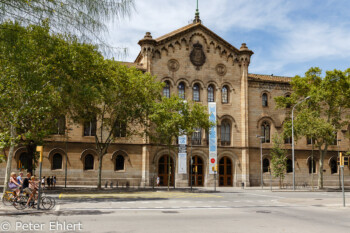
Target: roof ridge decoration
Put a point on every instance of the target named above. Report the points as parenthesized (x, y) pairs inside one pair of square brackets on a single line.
[(196, 16)]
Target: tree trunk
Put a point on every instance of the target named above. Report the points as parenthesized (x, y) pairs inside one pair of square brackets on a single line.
[(31, 148), (9, 158), (320, 174), (100, 156)]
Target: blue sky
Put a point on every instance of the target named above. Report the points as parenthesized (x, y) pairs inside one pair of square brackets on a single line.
[(287, 36)]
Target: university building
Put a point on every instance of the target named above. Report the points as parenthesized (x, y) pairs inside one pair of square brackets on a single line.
[(198, 65)]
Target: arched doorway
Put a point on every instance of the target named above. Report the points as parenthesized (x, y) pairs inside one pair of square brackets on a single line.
[(23, 161), (163, 171), (197, 171), (225, 172)]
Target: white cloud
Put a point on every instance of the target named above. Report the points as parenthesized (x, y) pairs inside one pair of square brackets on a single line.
[(301, 36)]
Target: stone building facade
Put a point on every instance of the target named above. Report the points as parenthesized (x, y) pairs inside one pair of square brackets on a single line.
[(200, 66)]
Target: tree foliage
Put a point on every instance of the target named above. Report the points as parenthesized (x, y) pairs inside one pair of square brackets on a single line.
[(278, 159), (324, 114), (173, 117), (39, 73), (84, 18)]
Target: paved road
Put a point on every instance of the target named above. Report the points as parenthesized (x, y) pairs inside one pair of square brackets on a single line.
[(231, 210)]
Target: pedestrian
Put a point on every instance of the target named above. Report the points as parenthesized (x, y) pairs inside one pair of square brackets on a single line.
[(48, 182), (51, 181), (54, 181), (158, 181), (43, 182)]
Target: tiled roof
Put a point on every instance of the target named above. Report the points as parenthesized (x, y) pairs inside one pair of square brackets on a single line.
[(269, 78), (192, 25), (176, 31)]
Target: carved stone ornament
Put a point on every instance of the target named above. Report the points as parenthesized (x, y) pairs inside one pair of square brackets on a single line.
[(220, 69), (173, 65), (197, 55)]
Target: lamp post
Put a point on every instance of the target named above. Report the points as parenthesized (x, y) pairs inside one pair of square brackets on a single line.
[(293, 139), (261, 162)]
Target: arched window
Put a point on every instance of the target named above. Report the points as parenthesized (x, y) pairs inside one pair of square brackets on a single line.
[(197, 137), (166, 89), (119, 163), (89, 162), (225, 133), (181, 88), (23, 161), (312, 166), (265, 132), (266, 165), (90, 128), (57, 161), (334, 166), (211, 93), (224, 94), (196, 93), (289, 167), (264, 100)]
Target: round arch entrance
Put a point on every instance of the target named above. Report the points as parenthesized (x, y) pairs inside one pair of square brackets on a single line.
[(163, 170), (197, 171), (225, 171)]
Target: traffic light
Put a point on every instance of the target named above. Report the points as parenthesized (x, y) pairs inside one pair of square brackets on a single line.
[(343, 160)]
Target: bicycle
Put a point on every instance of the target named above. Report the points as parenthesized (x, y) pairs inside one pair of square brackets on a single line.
[(46, 202), (10, 198)]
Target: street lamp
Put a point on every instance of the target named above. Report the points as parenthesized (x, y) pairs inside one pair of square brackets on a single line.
[(261, 162), (293, 139)]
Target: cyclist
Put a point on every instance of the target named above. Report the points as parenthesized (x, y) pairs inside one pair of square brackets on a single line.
[(13, 185), (33, 186), (26, 188)]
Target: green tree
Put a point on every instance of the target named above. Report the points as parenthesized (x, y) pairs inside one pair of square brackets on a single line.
[(37, 73), (172, 117), (120, 100), (324, 114), (278, 159), (84, 18)]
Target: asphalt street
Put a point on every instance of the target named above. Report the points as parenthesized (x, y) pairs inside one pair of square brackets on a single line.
[(229, 210)]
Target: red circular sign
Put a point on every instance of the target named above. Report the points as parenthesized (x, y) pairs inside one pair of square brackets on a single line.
[(212, 160)]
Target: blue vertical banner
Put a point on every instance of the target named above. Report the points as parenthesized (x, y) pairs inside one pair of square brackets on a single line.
[(212, 138), (182, 156)]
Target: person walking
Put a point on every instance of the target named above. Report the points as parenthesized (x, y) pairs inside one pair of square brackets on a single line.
[(43, 182), (54, 181), (48, 182), (51, 181)]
